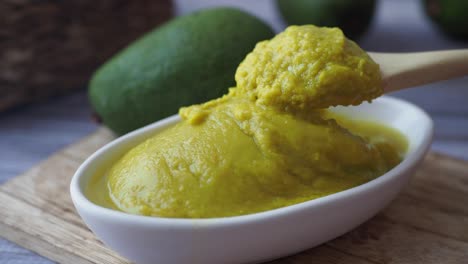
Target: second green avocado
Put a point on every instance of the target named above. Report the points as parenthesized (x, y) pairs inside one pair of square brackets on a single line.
[(352, 16), (189, 60), (450, 16)]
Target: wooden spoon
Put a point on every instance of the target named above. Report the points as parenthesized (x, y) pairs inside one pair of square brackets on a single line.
[(405, 70)]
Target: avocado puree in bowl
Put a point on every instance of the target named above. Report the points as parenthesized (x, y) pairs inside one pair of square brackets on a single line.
[(268, 143)]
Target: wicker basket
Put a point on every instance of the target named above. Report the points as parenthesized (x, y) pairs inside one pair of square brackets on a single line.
[(50, 47)]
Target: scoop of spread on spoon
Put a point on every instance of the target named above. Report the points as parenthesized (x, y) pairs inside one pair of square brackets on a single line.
[(306, 68)]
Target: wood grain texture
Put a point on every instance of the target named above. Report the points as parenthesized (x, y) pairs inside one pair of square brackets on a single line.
[(427, 223)]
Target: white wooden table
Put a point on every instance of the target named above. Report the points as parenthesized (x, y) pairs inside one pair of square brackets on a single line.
[(30, 134)]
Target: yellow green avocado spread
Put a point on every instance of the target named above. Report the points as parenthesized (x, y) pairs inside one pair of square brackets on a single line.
[(307, 67), (268, 143)]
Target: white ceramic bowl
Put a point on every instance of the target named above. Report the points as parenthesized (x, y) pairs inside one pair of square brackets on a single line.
[(256, 237)]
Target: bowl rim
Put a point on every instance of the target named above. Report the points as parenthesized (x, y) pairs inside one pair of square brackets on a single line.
[(80, 200)]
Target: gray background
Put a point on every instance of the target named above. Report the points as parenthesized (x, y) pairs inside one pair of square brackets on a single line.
[(30, 134)]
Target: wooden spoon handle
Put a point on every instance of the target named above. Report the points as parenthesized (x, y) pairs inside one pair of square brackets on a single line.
[(405, 70)]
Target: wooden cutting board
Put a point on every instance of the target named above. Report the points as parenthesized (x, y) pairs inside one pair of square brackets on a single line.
[(427, 223)]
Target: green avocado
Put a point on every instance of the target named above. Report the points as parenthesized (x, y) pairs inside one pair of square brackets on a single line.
[(352, 16), (188, 60), (451, 16)]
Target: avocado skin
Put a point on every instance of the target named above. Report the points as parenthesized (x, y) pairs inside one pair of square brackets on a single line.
[(188, 60), (352, 16), (450, 16)]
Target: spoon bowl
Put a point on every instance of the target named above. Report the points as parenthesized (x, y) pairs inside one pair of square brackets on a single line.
[(256, 237)]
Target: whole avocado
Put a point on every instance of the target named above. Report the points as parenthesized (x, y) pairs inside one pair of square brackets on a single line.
[(188, 60), (451, 16), (352, 16)]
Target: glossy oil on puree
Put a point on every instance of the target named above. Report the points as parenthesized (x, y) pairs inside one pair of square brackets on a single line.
[(267, 143)]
